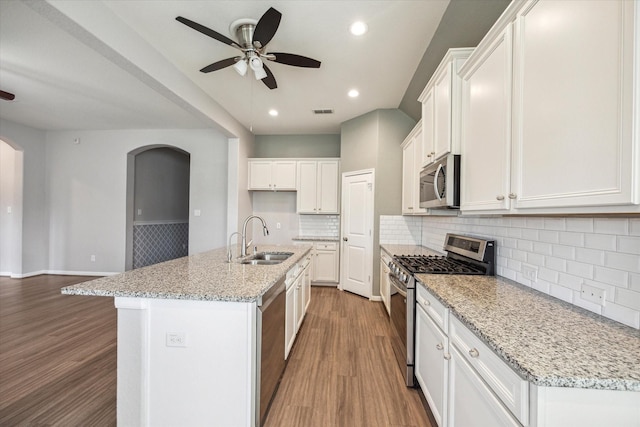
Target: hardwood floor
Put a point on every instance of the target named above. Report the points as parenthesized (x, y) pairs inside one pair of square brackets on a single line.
[(342, 371), (57, 355), (58, 362)]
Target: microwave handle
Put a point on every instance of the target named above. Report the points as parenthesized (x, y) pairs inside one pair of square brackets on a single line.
[(435, 182)]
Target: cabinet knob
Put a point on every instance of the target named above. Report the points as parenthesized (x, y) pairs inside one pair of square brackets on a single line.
[(447, 356), (319, 209), (346, 239), (426, 302), (512, 195), (501, 197), (474, 352), (433, 153), (429, 155), (439, 346)]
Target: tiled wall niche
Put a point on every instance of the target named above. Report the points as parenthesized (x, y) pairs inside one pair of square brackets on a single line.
[(567, 252)]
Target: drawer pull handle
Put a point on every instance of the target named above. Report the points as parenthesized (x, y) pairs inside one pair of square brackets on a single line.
[(439, 346), (474, 352)]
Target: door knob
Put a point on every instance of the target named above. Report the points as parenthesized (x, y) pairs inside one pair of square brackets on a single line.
[(346, 239)]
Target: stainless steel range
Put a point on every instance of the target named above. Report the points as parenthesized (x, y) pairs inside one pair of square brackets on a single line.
[(465, 255)]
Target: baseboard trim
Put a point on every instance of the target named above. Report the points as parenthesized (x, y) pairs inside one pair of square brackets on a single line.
[(376, 298), (81, 273)]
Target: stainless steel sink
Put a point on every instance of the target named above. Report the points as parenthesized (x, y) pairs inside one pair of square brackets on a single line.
[(266, 258)]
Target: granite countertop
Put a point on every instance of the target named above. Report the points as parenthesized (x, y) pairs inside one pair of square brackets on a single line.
[(394, 250), (316, 238), (206, 276), (547, 341)]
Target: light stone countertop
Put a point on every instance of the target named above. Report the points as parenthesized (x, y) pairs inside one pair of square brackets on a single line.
[(204, 277), (316, 238), (547, 341)]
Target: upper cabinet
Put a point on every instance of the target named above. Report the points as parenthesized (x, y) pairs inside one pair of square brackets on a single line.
[(548, 111), (411, 166), (441, 107), (272, 174), (318, 186)]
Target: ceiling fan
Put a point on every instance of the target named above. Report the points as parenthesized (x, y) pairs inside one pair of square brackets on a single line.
[(253, 37)]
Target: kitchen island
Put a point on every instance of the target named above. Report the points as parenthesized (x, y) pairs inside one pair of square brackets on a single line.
[(188, 338)]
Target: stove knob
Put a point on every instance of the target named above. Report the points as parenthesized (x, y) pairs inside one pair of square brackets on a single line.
[(403, 277)]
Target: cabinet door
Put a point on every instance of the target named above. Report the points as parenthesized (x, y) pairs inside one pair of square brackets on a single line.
[(486, 128), (573, 104), (417, 167), (326, 266), (327, 194), (428, 149), (442, 112), (431, 365), (307, 187), (307, 287), (259, 175), (384, 286), (408, 178), (471, 403), (290, 321), (299, 298), (283, 175)]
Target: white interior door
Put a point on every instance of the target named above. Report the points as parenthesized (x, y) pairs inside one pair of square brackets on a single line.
[(357, 232)]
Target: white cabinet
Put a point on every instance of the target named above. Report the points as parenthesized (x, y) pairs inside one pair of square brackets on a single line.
[(325, 262), (562, 140), (471, 402), (297, 300), (431, 364), (318, 186), (270, 174), (385, 285), (307, 283), (486, 117), (290, 320), (441, 108), (411, 166)]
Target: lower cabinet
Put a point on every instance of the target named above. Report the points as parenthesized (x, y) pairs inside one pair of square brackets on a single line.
[(432, 364), (471, 402), (325, 262), (298, 297), (385, 287)]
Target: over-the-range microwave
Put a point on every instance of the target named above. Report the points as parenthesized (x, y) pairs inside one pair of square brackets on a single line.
[(440, 184)]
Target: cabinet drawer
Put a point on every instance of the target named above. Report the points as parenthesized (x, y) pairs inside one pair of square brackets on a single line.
[(433, 307), (327, 246), (508, 386)]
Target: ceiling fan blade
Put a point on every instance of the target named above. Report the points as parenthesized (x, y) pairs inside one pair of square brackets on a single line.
[(269, 81), (7, 96), (220, 65), (295, 60), (267, 27), (208, 32)]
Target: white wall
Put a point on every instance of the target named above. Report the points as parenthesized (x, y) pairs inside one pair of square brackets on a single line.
[(87, 193), (600, 252), (30, 207)]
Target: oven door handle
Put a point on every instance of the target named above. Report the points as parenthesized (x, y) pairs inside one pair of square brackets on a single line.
[(402, 292)]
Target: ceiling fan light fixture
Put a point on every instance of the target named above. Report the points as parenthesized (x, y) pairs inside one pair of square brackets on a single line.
[(241, 67), (256, 65)]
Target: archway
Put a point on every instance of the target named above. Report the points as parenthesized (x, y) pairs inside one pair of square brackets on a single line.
[(11, 176), (157, 205)]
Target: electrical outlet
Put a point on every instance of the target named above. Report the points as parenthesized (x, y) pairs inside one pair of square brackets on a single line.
[(176, 339), (278, 226), (592, 294), (530, 272), (93, 258), (139, 211)]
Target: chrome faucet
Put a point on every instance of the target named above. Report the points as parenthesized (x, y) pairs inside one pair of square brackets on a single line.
[(265, 230), (229, 253)]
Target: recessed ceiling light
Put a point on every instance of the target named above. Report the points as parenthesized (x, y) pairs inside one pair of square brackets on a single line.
[(273, 113), (353, 93), (358, 28)]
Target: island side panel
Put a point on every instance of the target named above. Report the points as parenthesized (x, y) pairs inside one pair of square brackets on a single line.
[(211, 379)]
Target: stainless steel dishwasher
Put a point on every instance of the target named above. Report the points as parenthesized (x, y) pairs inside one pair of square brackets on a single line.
[(270, 333)]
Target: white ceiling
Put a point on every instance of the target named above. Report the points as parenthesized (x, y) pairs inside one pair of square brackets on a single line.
[(62, 81)]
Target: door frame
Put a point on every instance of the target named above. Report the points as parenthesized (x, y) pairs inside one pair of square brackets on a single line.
[(372, 224)]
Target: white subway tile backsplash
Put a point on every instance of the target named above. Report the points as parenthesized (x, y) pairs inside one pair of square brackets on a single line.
[(603, 252), (628, 298), (611, 226), (606, 242), (622, 261), (629, 244)]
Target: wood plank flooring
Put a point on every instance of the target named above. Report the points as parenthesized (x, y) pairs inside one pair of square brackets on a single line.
[(58, 362), (57, 355), (342, 371)]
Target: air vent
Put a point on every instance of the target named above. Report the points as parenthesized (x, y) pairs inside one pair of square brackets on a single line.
[(323, 111)]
